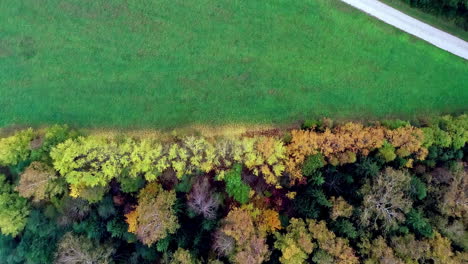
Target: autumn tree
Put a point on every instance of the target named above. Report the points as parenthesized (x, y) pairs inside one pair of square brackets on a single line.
[(155, 216), (386, 200), (303, 236), (457, 128), (264, 156), (91, 194), (407, 140), (268, 221), (455, 231), (223, 244), (340, 208), (296, 244), (250, 245), (378, 252), (147, 158), (270, 159), (202, 200), (15, 148), (177, 157), (131, 219), (192, 154), (94, 161), (39, 182), (183, 256), (336, 247), (408, 249), (255, 251), (14, 209), (455, 198), (88, 161), (227, 151), (78, 249), (201, 154), (440, 249)]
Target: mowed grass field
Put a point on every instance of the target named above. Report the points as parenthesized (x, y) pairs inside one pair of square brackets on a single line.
[(162, 64)]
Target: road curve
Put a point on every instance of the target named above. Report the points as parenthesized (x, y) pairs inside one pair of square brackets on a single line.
[(412, 26)]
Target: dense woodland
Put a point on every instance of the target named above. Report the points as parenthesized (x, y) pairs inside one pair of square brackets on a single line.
[(456, 10), (384, 192)]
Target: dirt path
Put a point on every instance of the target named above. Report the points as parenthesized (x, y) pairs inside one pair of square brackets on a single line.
[(412, 26)]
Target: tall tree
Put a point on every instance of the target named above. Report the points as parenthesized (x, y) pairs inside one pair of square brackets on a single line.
[(386, 200), (155, 215), (250, 244), (74, 249), (296, 244), (202, 200)]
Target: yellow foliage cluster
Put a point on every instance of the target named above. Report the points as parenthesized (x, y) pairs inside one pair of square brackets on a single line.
[(90, 194), (265, 155), (291, 195), (265, 220), (340, 145), (132, 221), (147, 159), (74, 191), (272, 153), (408, 140), (262, 155), (15, 148), (269, 221)]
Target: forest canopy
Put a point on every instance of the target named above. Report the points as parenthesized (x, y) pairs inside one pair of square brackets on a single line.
[(329, 192)]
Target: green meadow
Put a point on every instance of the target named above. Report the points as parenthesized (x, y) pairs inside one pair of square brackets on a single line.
[(161, 63)]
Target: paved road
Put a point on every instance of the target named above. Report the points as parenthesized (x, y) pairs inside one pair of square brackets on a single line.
[(414, 27)]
